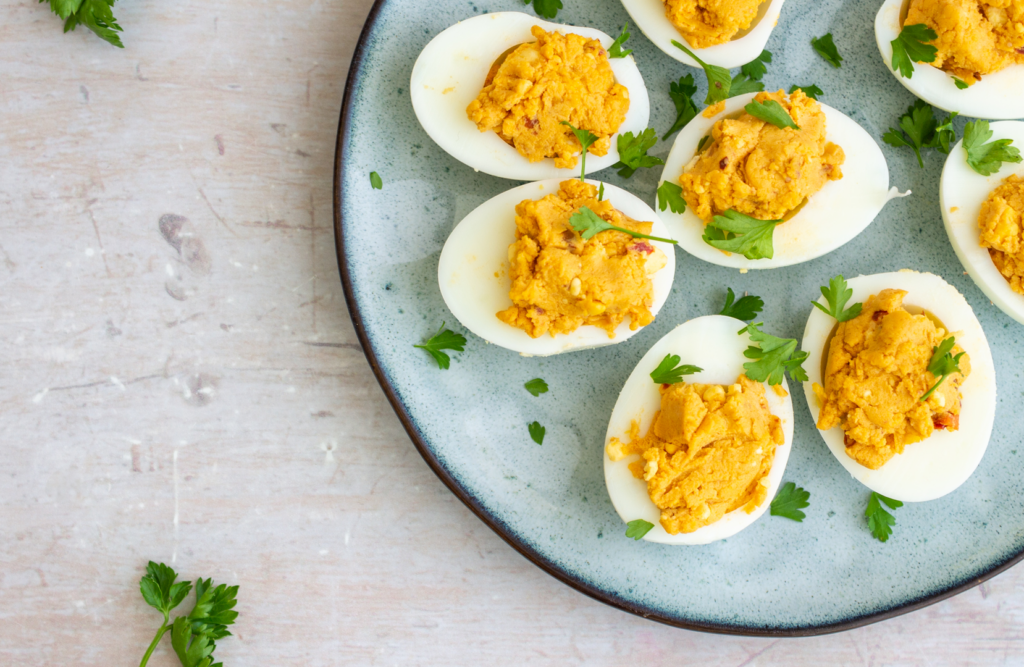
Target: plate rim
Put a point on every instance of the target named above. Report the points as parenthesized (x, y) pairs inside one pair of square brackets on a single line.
[(494, 523)]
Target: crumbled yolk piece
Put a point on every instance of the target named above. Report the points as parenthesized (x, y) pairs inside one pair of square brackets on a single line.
[(708, 452), (975, 37), (561, 282), (706, 23), (539, 85), (762, 170), (1002, 230), (876, 373)]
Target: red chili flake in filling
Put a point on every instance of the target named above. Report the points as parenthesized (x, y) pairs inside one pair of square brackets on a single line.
[(530, 123), (879, 314), (724, 163), (642, 246), (946, 421)]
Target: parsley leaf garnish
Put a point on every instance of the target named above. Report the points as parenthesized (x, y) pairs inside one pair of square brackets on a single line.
[(774, 356), (987, 158), (910, 47), (810, 91), (586, 138), (745, 309), (671, 195), (837, 294), (536, 386), (960, 83), (879, 521), (546, 8), (826, 48), (772, 112), (918, 126), (945, 134), (443, 340), (96, 15), (588, 224), (537, 432), (375, 181), (943, 364), (719, 79), (600, 193), (615, 51), (703, 141), (756, 69), (789, 501), (633, 152), (670, 372), (743, 84), (637, 528), (682, 93), (193, 637), (735, 232)]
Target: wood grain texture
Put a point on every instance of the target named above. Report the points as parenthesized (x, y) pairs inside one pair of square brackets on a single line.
[(181, 382)]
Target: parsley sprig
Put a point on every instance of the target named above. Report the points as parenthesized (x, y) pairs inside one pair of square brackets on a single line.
[(910, 46), (670, 371), (837, 294), (444, 339), (682, 93), (376, 182), (536, 432), (881, 522), (743, 84), (921, 130), (96, 15), (589, 224), (987, 158), (772, 112), (735, 232), (756, 69), (943, 364), (536, 386), (670, 196), (615, 50), (789, 501), (546, 8), (586, 139), (193, 637), (826, 48), (810, 91), (719, 79), (633, 152), (773, 357), (746, 308), (637, 528)]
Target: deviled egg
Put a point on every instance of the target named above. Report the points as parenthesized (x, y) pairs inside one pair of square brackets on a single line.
[(977, 45), (970, 201), (740, 433), (516, 273), (881, 410), (493, 91), (729, 35), (733, 160)]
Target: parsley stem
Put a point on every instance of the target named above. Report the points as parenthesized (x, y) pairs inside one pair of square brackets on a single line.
[(932, 390), (583, 167), (639, 235), (156, 640)]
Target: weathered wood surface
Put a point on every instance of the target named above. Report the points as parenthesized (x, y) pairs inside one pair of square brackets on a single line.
[(180, 381)]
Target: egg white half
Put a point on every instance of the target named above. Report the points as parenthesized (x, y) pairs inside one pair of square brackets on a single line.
[(832, 216), (477, 249), (937, 465), (965, 190), (996, 96), (710, 342), (450, 73), (649, 16)]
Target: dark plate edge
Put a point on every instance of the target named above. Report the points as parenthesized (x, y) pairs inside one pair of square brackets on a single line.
[(528, 552)]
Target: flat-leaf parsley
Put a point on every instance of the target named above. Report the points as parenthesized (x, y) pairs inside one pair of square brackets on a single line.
[(745, 309), (772, 357), (670, 196), (633, 152), (789, 501), (96, 15), (444, 339), (943, 364), (826, 48), (615, 51), (546, 8), (537, 432), (637, 528), (536, 386), (735, 232), (837, 294), (669, 371), (987, 158), (881, 522), (719, 79), (589, 224), (910, 47)]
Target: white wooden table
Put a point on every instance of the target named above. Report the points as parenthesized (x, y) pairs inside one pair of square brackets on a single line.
[(180, 381)]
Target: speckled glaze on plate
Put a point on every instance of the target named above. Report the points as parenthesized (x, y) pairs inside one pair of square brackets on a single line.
[(549, 502)]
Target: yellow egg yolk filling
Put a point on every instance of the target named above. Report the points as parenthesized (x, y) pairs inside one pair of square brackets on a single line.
[(1002, 230), (762, 170), (539, 85), (975, 37), (708, 452), (561, 282), (875, 375), (706, 23)]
